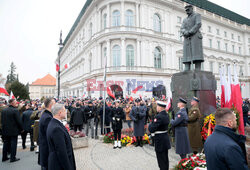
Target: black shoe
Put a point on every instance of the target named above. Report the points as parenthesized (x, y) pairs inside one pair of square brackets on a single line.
[(141, 145), (24, 147), (5, 159), (114, 147), (16, 159), (137, 144), (31, 149)]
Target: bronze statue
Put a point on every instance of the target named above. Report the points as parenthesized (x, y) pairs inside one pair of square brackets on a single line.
[(192, 47)]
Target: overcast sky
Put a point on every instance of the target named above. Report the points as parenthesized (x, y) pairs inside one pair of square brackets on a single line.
[(29, 32)]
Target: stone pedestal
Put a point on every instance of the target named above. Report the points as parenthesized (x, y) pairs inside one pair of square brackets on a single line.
[(201, 84), (79, 142)]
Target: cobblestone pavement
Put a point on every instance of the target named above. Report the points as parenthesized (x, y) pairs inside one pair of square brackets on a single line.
[(99, 155)]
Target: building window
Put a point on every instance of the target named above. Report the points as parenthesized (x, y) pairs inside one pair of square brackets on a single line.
[(129, 18), (116, 19), (211, 66), (104, 21), (210, 43), (238, 38), (239, 50), (226, 47), (218, 45), (130, 56), (116, 55), (209, 29), (225, 34), (157, 57), (157, 23), (217, 31), (232, 48), (178, 19), (232, 36)]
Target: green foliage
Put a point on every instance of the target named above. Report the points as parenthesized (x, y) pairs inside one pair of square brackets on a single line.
[(11, 77), (19, 89)]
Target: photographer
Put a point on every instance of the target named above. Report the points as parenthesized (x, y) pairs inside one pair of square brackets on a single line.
[(117, 116), (138, 115), (90, 113)]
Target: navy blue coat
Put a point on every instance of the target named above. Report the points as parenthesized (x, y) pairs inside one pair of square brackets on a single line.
[(117, 115), (138, 115), (160, 123), (61, 155), (43, 144), (27, 122), (182, 143), (225, 149)]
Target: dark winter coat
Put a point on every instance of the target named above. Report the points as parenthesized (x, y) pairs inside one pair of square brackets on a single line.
[(61, 155), (43, 143), (160, 123), (117, 116), (107, 114), (90, 112), (225, 149), (138, 115), (181, 134), (11, 121), (77, 117), (27, 122)]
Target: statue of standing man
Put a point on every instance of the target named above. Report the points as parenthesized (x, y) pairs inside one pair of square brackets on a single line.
[(192, 47)]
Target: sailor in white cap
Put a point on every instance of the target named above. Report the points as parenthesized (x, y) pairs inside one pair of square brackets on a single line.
[(159, 127)]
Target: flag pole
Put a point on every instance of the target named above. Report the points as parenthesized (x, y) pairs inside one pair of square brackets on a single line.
[(104, 95)]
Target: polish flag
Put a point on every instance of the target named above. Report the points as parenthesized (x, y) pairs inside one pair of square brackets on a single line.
[(110, 93), (136, 89), (12, 95), (2, 83), (66, 66), (222, 84), (237, 100), (168, 103), (228, 91), (57, 67)]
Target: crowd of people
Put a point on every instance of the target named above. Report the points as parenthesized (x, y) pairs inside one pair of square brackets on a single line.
[(45, 122)]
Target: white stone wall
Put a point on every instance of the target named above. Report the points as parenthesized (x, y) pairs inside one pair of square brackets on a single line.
[(85, 52)]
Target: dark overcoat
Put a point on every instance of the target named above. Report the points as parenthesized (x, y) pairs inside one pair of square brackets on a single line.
[(181, 134), (11, 121), (27, 122), (192, 44), (77, 117), (138, 115), (107, 114), (225, 149), (194, 129), (117, 116), (160, 123), (61, 155), (43, 143)]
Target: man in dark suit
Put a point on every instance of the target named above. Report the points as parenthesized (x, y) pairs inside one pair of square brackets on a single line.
[(61, 155), (43, 125), (11, 126), (159, 127)]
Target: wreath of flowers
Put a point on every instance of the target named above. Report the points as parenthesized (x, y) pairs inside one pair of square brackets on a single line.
[(208, 126), (191, 162)]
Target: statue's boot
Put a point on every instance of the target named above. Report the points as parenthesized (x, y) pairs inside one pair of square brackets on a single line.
[(187, 67), (198, 66)]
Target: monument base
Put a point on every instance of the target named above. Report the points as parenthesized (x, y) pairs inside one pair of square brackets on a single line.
[(201, 84)]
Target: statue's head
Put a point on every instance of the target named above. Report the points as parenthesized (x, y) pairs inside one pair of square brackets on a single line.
[(189, 9)]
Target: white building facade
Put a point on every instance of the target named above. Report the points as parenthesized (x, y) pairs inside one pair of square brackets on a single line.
[(143, 48)]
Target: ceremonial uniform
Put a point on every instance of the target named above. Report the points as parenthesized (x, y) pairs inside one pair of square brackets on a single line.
[(194, 128), (159, 126), (181, 135)]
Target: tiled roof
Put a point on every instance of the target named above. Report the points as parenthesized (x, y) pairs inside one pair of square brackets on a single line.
[(48, 80)]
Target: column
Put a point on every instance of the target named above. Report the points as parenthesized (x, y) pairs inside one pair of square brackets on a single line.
[(137, 14), (122, 13), (108, 15), (138, 56), (141, 16), (99, 56), (108, 53), (123, 48), (99, 20)]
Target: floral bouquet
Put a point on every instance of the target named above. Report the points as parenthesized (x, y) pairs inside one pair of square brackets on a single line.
[(192, 162), (108, 138), (208, 126), (125, 140), (77, 134)]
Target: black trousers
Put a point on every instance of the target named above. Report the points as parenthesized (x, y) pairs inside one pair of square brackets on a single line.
[(24, 135), (10, 141), (79, 127), (162, 159), (117, 134)]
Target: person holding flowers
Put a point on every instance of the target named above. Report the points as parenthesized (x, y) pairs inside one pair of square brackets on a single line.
[(159, 127), (117, 116)]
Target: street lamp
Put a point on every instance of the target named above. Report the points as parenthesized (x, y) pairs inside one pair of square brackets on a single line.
[(60, 47)]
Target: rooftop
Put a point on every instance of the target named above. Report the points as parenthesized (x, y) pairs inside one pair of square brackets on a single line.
[(47, 80)]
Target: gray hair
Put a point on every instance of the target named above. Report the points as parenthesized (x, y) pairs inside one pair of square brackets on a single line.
[(56, 108)]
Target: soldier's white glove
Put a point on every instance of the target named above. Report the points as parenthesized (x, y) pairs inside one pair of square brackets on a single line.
[(113, 118)]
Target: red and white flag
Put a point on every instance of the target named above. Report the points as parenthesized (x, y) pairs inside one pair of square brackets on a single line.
[(136, 89), (66, 66), (2, 87), (237, 100), (228, 91), (57, 67), (110, 93), (12, 95), (222, 84)]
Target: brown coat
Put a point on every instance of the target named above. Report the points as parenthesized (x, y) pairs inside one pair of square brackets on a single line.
[(34, 116), (194, 128)]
